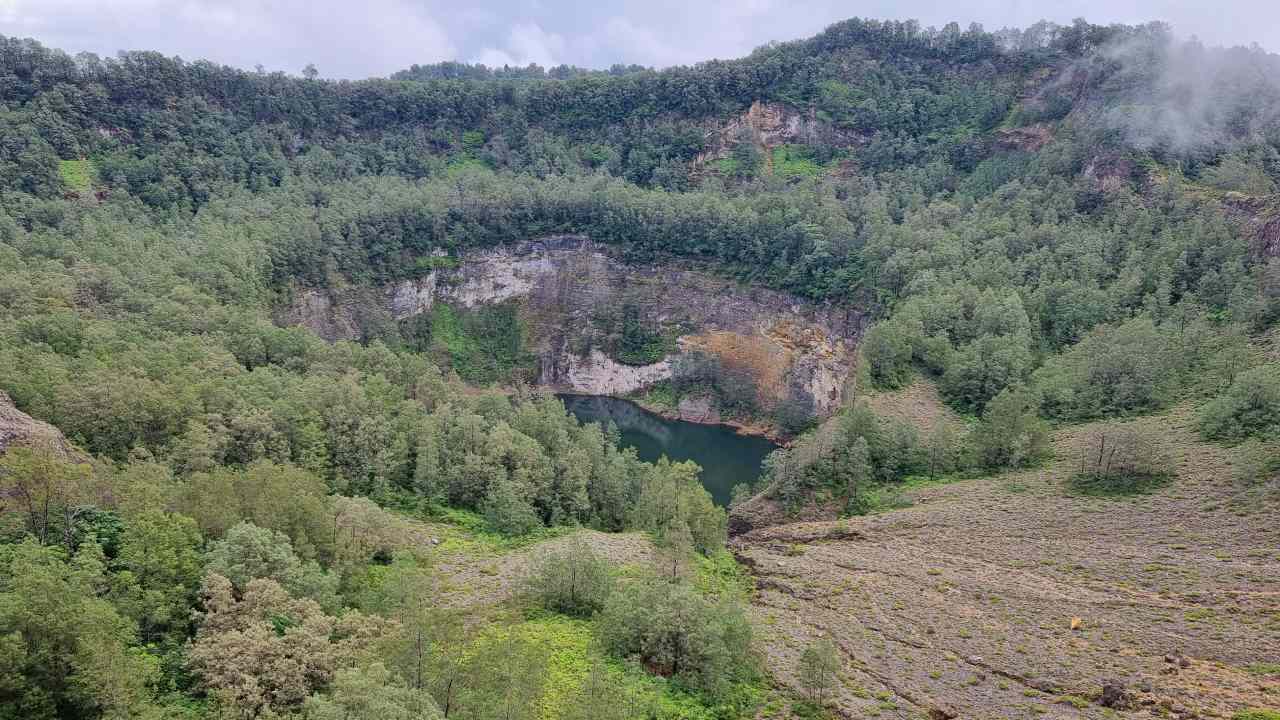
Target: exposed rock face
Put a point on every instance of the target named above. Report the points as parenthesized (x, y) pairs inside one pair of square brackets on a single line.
[(1261, 219), (771, 125), (700, 409), (19, 429), (598, 374), (793, 349)]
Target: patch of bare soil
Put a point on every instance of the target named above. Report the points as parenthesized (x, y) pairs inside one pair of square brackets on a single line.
[(1007, 597), (918, 404)]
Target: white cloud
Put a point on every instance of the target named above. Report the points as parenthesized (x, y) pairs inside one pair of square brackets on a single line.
[(374, 38), (526, 43), (356, 39)]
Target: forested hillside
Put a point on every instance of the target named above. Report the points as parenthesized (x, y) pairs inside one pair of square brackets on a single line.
[(1054, 225)]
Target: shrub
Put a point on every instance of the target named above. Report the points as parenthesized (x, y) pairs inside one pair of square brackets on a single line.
[(573, 581), (1250, 407), (1119, 370), (1120, 461), (676, 632), (819, 670)]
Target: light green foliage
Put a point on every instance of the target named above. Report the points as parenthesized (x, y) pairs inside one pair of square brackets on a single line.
[(795, 161), (819, 670), (76, 174), (1134, 367), (505, 679), (51, 491), (67, 652), (161, 554), (673, 503), (248, 553), (369, 693), (1256, 714), (483, 346)]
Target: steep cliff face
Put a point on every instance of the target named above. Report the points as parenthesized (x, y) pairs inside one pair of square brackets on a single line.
[(791, 349)]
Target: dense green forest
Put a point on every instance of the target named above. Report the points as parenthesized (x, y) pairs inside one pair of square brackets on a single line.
[(1055, 224)]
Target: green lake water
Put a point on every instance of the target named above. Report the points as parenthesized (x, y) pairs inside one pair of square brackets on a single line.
[(726, 457)]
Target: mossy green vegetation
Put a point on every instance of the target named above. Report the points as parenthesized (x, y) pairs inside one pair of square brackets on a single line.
[(795, 161), (77, 175), (484, 345)]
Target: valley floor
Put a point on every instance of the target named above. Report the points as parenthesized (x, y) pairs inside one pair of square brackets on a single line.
[(963, 605)]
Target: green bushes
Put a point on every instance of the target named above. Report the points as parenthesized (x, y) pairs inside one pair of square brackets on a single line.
[(573, 581), (674, 631), (1011, 433), (1249, 407)]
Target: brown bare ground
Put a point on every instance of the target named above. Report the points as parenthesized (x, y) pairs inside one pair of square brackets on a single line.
[(962, 605), (918, 404)]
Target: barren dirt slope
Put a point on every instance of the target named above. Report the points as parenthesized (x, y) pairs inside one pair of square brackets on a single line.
[(962, 605)]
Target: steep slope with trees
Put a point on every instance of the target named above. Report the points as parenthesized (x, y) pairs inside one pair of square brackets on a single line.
[(1051, 226)]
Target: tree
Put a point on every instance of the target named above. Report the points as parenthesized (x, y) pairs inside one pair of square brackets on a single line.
[(49, 492), (603, 696), (1011, 433), (249, 553), (504, 680), (942, 449), (270, 650), (1120, 460), (856, 470), (677, 632), (370, 693), (819, 670), (161, 553), (1250, 407), (310, 72), (66, 652)]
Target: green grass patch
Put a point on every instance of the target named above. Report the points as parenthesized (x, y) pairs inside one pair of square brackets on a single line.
[(720, 575), (727, 166), (795, 161), (571, 653), (76, 174), (660, 396), (471, 533), (1265, 669), (1256, 714)]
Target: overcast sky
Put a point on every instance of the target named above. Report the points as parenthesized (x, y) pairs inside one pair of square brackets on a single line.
[(360, 38)]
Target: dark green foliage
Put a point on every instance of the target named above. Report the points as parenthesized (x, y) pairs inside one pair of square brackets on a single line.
[(574, 581), (676, 632), (631, 337), (1011, 433)]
